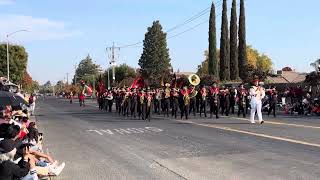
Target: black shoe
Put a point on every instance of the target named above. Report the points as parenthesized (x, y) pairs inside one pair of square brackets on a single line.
[(261, 122)]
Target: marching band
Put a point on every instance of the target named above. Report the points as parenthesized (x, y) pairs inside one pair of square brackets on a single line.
[(142, 103)]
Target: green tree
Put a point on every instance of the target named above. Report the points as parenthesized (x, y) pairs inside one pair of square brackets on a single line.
[(122, 72), (242, 55), (155, 61), (46, 88), (87, 71), (203, 68), (224, 45), (316, 65), (18, 62), (59, 86), (234, 69), (212, 65)]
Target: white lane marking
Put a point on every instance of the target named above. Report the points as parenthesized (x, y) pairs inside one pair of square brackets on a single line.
[(134, 130), (122, 131), (93, 130), (107, 131), (126, 130), (254, 134), (142, 130), (154, 129), (281, 123)]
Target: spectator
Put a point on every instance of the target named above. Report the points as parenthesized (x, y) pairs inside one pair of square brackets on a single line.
[(8, 169), (32, 103)]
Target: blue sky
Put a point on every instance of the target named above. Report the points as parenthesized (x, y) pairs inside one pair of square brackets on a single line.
[(62, 32)]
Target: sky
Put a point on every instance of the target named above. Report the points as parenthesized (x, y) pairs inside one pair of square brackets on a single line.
[(62, 32)]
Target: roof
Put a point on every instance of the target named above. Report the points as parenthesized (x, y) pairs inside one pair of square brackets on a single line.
[(184, 73), (287, 77), (294, 77), (276, 80)]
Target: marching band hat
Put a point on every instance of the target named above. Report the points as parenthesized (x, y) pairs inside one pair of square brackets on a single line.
[(255, 81)]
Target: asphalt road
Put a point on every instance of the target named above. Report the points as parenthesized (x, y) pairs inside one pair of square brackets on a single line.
[(99, 145)]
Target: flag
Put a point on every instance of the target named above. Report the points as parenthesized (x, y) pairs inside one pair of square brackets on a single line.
[(138, 83)]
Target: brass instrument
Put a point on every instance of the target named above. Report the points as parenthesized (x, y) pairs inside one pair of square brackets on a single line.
[(142, 99), (193, 92), (167, 92), (186, 99), (149, 100), (194, 79)]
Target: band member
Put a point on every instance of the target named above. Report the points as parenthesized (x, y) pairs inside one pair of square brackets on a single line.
[(134, 103), (71, 97), (186, 102), (126, 102), (148, 105), (242, 100), (203, 101), (167, 99), (257, 93), (142, 111), (214, 100), (81, 93), (192, 96), (157, 101), (100, 100), (175, 102), (118, 98), (273, 99), (198, 101), (109, 98), (232, 97), (225, 107)]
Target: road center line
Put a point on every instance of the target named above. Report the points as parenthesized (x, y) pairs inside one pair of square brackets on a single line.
[(253, 134)]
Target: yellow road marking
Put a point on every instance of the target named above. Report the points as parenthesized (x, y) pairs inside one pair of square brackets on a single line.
[(280, 123), (253, 134)]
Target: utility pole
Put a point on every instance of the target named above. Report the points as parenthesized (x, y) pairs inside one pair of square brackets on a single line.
[(113, 59), (67, 78), (75, 74)]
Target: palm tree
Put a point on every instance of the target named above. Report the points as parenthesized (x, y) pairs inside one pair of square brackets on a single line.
[(316, 65)]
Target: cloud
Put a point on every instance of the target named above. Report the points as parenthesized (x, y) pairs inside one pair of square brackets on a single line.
[(38, 28), (7, 2)]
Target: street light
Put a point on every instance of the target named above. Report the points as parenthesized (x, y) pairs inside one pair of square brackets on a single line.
[(8, 64)]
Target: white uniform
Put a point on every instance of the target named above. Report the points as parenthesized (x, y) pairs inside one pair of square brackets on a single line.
[(257, 94)]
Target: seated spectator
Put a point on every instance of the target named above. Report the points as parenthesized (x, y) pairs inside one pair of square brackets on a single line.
[(8, 169), (4, 118), (42, 164)]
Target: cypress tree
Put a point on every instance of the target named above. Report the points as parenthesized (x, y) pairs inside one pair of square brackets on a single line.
[(242, 59), (234, 69), (213, 68), (224, 45)]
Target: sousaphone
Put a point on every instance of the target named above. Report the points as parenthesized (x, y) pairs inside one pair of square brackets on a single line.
[(194, 79)]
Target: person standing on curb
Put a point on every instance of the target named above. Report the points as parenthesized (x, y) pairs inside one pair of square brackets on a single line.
[(32, 103)]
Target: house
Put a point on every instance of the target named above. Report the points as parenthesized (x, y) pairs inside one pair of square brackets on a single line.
[(180, 74), (284, 77)]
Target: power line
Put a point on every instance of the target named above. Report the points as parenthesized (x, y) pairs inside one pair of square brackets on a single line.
[(198, 15), (193, 18), (193, 27)]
